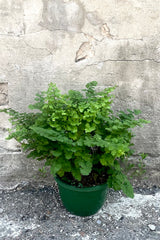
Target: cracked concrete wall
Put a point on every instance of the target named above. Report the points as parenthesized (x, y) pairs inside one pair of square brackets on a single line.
[(72, 42)]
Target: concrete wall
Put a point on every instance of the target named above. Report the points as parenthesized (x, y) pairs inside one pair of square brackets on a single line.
[(72, 42)]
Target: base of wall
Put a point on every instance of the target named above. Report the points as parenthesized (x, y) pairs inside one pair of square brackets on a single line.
[(16, 169)]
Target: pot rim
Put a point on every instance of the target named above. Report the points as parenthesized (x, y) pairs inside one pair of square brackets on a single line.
[(83, 189)]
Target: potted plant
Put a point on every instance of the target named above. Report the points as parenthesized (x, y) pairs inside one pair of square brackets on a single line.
[(83, 141)]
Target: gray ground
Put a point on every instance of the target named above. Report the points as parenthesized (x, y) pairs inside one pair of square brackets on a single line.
[(35, 212)]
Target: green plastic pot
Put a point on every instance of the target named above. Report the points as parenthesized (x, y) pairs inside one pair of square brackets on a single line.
[(82, 201)]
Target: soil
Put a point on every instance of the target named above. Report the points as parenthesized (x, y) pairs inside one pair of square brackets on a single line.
[(95, 178)]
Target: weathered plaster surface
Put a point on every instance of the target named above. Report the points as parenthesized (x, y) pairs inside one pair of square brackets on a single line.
[(3, 93), (72, 42), (63, 15)]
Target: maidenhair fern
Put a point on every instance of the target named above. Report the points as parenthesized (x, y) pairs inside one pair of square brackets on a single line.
[(74, 132)]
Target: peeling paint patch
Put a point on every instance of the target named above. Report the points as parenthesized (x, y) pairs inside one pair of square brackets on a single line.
[(105, 31), (86, 49)]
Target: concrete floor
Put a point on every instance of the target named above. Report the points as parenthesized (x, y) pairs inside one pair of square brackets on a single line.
[(35, 212)]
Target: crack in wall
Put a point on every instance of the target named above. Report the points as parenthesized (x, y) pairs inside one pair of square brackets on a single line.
[(93, 41), (35, 48), (123, 60)]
